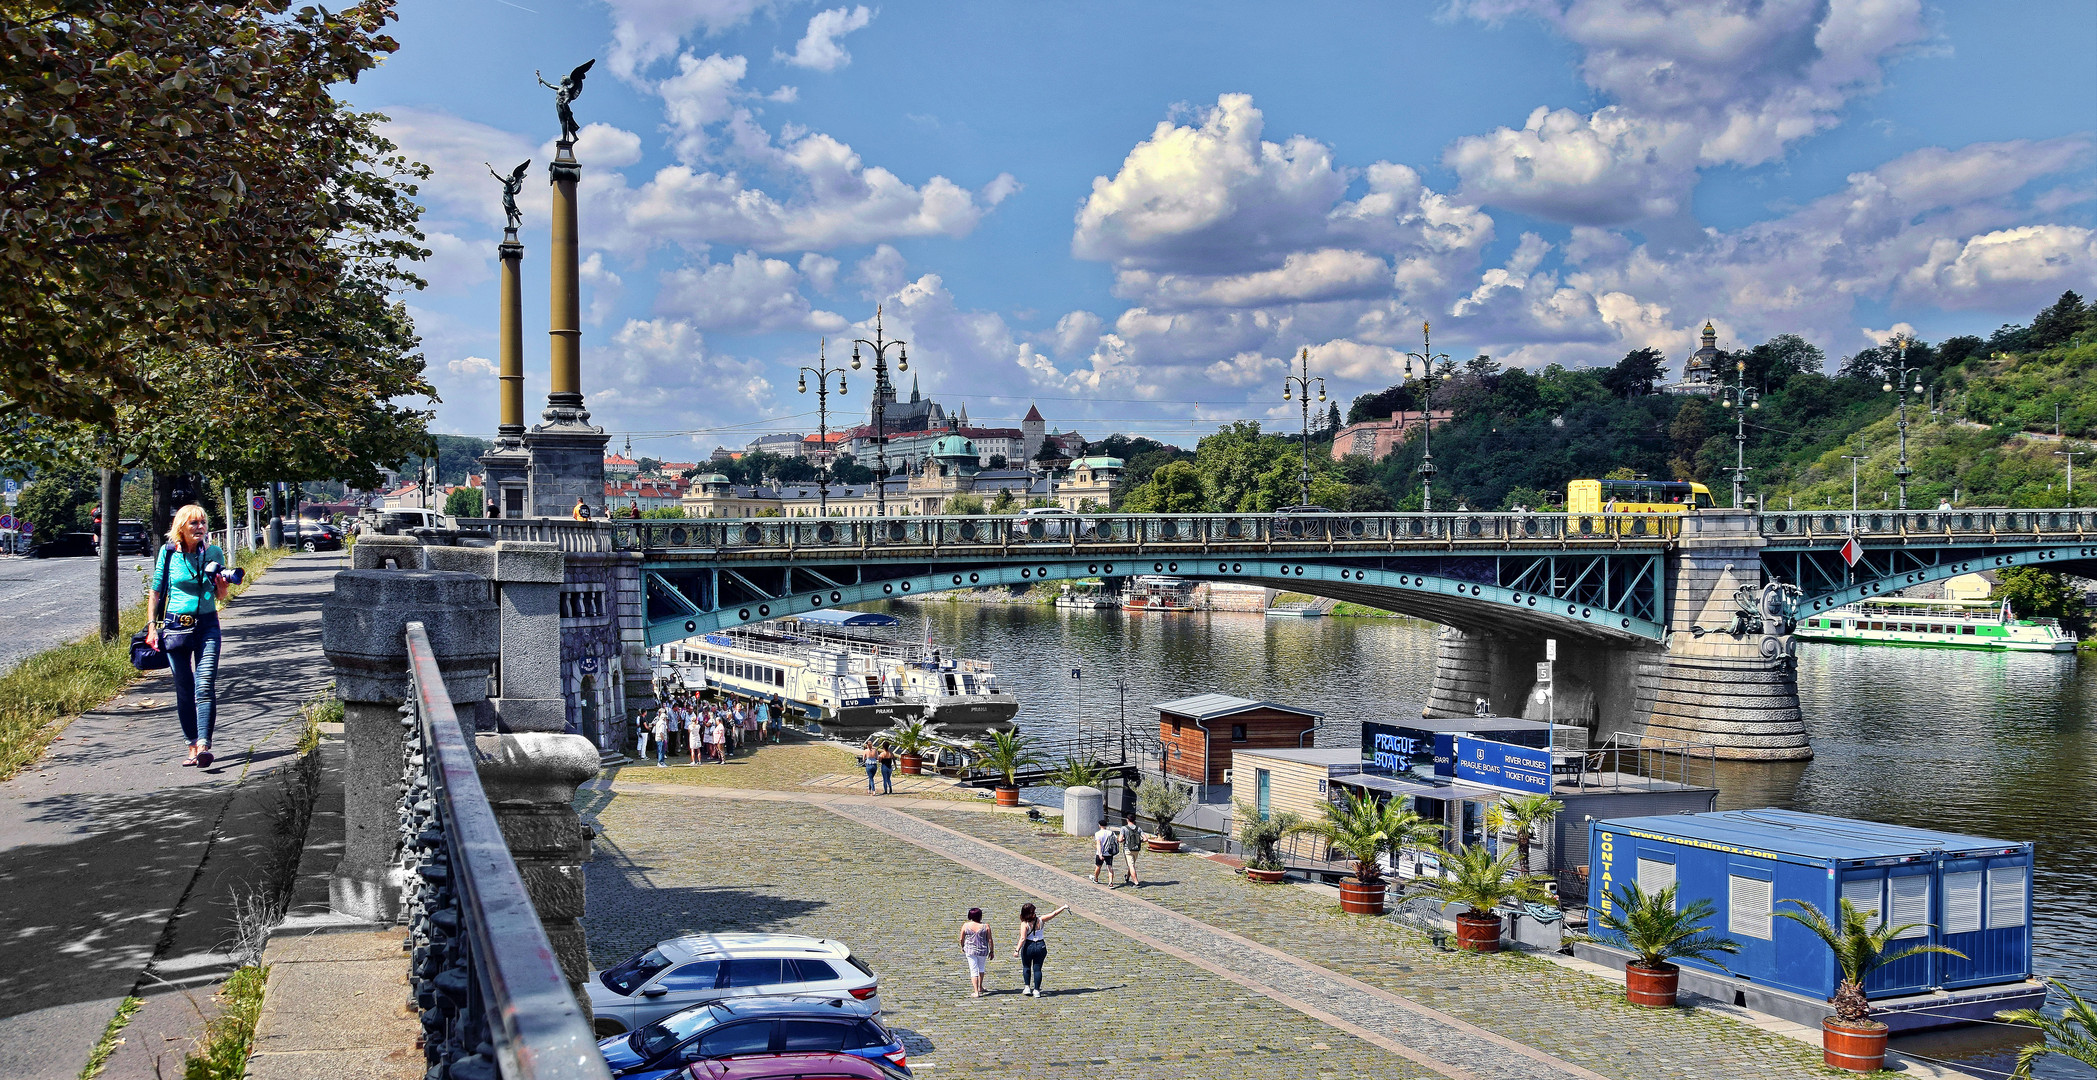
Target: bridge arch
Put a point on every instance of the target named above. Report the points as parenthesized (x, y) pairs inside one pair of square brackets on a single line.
[(2079, 559)]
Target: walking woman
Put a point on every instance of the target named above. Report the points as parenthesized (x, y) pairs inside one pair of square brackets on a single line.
[(182, 618), (1033, 947), (976, 947), (888, 768), (870, 760)]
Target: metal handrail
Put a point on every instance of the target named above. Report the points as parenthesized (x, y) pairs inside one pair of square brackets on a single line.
[(484, 973)]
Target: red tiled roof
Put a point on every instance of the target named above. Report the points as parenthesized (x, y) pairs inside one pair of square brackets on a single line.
[(1033, 414)]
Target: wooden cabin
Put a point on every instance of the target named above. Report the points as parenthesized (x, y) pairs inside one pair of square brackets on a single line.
[(1201, 732)]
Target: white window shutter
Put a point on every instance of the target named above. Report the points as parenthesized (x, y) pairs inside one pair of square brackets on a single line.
[(1911, 904), (2006, 896), (1748, 911), (1864, 894), (1962, 902)]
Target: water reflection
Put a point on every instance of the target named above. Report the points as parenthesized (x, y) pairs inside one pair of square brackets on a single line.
[(1998, 745)]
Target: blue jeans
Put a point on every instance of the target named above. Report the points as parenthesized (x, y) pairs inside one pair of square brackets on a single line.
[(887, 767), (1032, 955), (870, 767), (195, 668)]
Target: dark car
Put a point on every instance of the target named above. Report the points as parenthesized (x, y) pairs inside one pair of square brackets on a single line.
[(131, 537), (65, 546), (312, 536), (745, 1027), (795, 1067)]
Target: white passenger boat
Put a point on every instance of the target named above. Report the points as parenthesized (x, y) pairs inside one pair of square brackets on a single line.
[(1158, 592), (1941, 624)]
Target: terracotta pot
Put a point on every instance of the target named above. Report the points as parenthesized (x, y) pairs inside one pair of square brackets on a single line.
[(1166, 847), (913, 765), (1008, 796), (1359, 899), (1265, 877), (1855, 1047), (1478, 933), (1652, 987)]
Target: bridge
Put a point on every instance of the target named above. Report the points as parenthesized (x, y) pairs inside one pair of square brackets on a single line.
[(1633, 598)]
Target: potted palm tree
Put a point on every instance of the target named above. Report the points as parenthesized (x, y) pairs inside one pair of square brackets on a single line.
[(1074, 773), (1527, 813), (1258, 838), (1006, 755), (910, 739), (1481, 882), (1162, 801), (1658, 932), (1851, 1039), (1361, 828), (2073, 1034)]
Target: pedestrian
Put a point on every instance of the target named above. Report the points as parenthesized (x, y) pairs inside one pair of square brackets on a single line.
[(1106, 843), (717, 740), (976, 947), (694, 741), (888, 766), (662, 737), (870, 760), (1033, 947), (182, 620), (1131, 842), (641, 730)]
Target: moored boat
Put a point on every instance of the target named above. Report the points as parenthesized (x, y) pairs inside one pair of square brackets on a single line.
[(1158, 592), (1941, 624)]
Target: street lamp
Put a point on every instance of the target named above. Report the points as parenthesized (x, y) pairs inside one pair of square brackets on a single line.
[(1900, 380), (1740, 397), (822, 371), (1854, 460), (1427, 357), (2071, 455), (1300, 386), (882, 390)]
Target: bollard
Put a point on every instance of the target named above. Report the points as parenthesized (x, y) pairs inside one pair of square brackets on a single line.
[(1083, 809)]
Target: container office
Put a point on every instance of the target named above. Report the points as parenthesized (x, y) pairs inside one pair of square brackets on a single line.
[(1968, 893)]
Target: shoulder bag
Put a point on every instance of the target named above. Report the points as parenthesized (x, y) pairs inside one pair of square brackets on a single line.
[(144, 656)]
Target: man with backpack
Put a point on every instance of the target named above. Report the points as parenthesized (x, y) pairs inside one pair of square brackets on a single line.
[(1131, 843), (1106, 844)]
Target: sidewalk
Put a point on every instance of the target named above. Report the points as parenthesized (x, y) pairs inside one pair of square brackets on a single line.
[(119, 868)]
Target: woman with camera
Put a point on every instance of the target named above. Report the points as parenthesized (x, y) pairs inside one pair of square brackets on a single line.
[(189, 584)]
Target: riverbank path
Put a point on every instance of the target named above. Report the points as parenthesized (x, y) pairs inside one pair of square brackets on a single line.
[(120, 869)]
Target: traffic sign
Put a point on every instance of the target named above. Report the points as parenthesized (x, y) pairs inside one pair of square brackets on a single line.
[(259, 502), (1852, 551), (1543, 673), (7, 521)]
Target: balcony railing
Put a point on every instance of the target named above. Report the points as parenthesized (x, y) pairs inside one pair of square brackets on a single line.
[(1975, 525), (491, 995)]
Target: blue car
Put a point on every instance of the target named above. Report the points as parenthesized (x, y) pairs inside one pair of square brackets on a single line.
[(747, 1027)]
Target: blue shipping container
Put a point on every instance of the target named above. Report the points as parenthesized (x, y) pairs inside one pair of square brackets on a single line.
[(1969, 893)]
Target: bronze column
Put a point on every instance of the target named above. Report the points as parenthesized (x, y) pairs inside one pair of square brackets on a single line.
[(511, 431), (564, 402)]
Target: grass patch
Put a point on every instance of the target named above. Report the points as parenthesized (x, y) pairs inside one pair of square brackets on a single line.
[(222, 1054), (99, 1057), (325, 708), (48, 689)]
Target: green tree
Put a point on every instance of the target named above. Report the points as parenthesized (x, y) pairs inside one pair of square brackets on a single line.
[(1380, 405), (179, 173), (463, 502), (1637, 373), (1654, 928), (61, 500), (1174, 489), (963, 504), (1232, 462), (2033, 593), (1528, 813), (2057, 324)]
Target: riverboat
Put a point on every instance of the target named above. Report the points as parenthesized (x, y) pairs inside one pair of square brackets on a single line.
[(837, 667), (1083, 599), (1941, 624), (1157, 592)]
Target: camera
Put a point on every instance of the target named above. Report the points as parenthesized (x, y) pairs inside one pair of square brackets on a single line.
[(231, 575)]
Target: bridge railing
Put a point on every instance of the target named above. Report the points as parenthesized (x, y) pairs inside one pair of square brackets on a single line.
[(1196, 532), (574, 537), (484, 974), (1977, 524)]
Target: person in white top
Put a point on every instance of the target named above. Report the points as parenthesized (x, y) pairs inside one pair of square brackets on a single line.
[(1033, 947), (1106, 844), (662, 735)]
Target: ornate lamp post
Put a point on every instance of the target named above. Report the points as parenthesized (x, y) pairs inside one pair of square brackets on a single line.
[(1740, 397), (1427, 358), (1300, 386), (882, 390), (1902, 376), (822, 371)]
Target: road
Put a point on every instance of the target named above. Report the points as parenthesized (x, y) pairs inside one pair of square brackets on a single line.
[(52, 601)]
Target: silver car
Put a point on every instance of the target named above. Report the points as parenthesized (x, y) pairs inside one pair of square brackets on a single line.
[(685, 971)]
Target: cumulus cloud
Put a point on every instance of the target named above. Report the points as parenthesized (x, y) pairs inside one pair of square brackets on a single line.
[(1695, 84), (2029, 264), (605, 289), (644, 31), (1325, 274), (819, 49), (658, 374), (474, 367), (747, 294), (820, 270)]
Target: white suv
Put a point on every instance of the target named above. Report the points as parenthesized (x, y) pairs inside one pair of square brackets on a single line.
[(685, 971)]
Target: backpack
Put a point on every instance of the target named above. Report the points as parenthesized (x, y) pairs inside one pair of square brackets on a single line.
[(1111, 846)]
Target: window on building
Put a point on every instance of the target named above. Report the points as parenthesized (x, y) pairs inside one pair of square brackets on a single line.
[(1237, 732)]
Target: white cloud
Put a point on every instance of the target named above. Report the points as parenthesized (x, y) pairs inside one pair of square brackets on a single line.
[(2030, 265), (600, 146), (1605, 169), (820, 270), (473, 367), (747, 294), (700, 96), (644, 31), (819, 48), (658, 375), (1077, 330), (1245, 369), (881, 272), (605, 289), (1325, 274), (455, 265)]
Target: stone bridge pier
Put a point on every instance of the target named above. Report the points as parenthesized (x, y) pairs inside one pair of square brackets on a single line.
[(1739, 695)]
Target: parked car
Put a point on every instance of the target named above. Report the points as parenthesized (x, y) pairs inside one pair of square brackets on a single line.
[(796, 1067), (685, 971), (396, 521), (741, 1028), (132, 538), (65, 546), (312, 536)]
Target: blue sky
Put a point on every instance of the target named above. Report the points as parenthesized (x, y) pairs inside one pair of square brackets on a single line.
[(1137, 214)]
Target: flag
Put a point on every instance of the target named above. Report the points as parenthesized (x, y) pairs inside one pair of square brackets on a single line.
[(1852, 551)]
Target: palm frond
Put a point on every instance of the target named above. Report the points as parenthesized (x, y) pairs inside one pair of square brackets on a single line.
[(2073, 1034)]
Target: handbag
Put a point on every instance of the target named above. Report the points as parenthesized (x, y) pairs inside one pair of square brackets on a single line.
[(175, 630)]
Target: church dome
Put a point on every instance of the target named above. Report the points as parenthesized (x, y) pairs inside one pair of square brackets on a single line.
[(954, 446)]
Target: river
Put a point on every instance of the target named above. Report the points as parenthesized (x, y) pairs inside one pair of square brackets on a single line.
[(2000, 745)]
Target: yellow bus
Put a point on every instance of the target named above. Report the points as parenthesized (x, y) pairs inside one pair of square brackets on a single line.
[(1635, 497)]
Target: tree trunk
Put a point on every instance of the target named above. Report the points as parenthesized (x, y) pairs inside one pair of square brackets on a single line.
[(106, 570)]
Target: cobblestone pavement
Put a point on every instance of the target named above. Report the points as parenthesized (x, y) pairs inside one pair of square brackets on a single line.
[(788, 766), (1112, 1007), (1571, 1016)]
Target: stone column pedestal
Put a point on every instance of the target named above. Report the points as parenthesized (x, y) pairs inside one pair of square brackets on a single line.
[(530, 778), (363, 632)]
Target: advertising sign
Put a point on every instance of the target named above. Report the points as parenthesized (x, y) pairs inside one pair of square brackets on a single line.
[(1389, 749), (1502, 765)]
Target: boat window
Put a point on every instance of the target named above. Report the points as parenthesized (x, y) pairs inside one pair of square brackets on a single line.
[(1966, 630), (1876, 625)]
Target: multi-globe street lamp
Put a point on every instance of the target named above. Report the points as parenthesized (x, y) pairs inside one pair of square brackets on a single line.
[(1902, 374), (882, 390), (822, 371), (1427, 358), (1300, 386), (1740, 397)]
